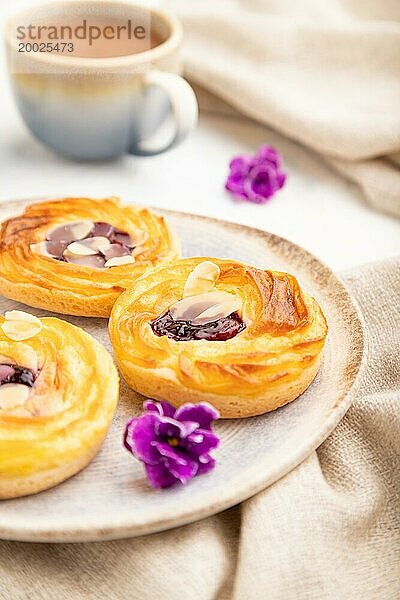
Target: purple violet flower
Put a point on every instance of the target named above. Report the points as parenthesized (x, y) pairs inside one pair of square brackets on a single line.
[(256, 178), (174, 444)]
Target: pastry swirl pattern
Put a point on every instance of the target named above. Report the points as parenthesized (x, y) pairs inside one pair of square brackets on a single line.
[(61, 425), (43, 282)]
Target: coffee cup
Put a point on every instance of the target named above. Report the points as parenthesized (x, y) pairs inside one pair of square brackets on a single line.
[(97, 79)]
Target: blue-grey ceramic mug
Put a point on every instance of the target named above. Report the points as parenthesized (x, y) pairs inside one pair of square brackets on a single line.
[(96, 108)]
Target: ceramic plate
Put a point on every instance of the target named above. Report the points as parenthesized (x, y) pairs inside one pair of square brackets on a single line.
[(111, 498)]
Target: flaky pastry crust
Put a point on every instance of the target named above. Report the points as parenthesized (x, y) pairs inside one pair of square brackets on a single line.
[(66, 288), (63, 424), (265, 366)]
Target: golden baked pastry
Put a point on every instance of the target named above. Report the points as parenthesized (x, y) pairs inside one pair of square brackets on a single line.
[(205, 329), (77, 255), (58, 391)]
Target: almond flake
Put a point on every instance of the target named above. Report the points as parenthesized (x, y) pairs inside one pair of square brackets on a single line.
[(20, 315), (94, 261), (202, 279), (41, 248), (70, 232), (13, 395), (138, 250), (219, 311), (19, 325), (139, 237), (116, 250), (205, 308), (89, 247), (118, 261)]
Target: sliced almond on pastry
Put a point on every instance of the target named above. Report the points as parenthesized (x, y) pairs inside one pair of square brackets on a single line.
[(139, 237), (130, 240), (138, 250), (118, 261), (102, 229), (19, 325), (79, 249), (41, 248), (115, 250), (218, 311), (20, 315), (53, 249), (94, 261), (13, 395), (20, 330), (201, 279), (70, 232), (56, 249), (205, 308), (89, 247)]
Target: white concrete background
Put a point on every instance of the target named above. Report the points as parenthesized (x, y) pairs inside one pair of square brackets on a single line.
[(317, 208)]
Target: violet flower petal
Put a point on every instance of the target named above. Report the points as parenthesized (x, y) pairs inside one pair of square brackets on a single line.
[(206, 463), (261, 183), (256, 178), (140, 436), (234, 184), (174, 445), (159, 476), (269, 154), (171, 452), (281, 179), (240, 163), (203, 414), (128, 440), (162, 408), (183, 471), (198, 447), (190, 427), (170, 428)]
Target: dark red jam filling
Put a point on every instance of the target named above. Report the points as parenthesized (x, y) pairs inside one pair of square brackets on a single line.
[(122, 243), (16, 374), (183, 331)]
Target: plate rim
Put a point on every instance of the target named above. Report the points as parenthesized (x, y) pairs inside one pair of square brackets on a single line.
[(124, 530)]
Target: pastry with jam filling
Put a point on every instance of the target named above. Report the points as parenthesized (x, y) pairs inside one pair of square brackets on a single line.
[(77, 255), (58, 392), (244, 339)]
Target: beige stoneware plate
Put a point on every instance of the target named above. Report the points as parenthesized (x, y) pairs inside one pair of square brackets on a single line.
[(111, 499)]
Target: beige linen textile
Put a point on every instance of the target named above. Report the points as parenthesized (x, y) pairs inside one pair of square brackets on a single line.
[(328, 530), (323, 72)]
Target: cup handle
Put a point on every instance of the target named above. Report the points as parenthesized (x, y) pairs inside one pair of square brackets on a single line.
[(184, 110)]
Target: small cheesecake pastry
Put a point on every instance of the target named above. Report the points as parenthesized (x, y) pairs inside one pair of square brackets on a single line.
[(77, 255), (204, 329), (58, 392)]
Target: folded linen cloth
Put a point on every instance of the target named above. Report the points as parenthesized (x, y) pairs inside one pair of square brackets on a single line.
[(326, 74), (328, 530)]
